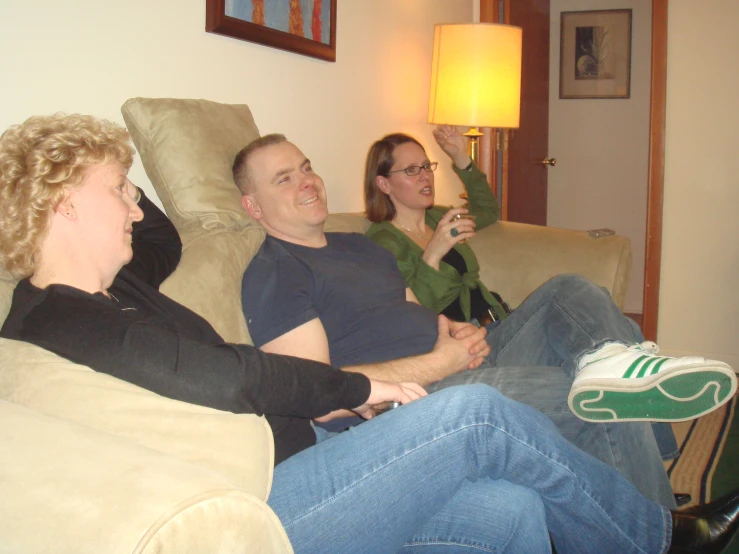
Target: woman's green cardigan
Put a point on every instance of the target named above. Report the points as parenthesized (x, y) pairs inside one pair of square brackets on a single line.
[(437, 289)]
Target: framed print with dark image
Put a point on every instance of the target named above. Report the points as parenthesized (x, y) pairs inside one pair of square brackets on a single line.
[(595, 54), (305, 27)]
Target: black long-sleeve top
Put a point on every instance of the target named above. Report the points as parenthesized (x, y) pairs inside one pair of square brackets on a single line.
[(141, 336)]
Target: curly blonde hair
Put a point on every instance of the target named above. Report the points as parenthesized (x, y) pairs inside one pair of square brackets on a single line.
[(39, 160)]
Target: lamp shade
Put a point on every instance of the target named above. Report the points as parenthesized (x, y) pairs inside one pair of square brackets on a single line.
[(476, 75)]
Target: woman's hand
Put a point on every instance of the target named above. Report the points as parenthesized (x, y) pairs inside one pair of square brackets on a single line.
[(454, 145), (448, 232), (384, 391)]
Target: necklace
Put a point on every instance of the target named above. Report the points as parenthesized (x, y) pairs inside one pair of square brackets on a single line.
[(423, 236)]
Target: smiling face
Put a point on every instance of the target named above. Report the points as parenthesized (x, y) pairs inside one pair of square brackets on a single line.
[(287, 197), (405, 191), (103, 209)]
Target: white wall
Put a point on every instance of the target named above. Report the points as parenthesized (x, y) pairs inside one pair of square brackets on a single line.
[(602, 145), (699, 295), (89, 56)]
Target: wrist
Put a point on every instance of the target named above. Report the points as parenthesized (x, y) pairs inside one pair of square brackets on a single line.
[(431, 260), (463, 162)]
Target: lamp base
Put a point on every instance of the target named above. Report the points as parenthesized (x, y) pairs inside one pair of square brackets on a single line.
[(473, 143)]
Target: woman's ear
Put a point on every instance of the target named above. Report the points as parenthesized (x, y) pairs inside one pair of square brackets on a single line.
[(66, 208), (251, 206), (383, 184)]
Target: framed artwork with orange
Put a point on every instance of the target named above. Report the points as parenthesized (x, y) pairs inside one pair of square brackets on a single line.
[(305, 27)]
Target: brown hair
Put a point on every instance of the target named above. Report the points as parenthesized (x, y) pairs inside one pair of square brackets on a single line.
[(240, 168), (377, 205), (39, 160)]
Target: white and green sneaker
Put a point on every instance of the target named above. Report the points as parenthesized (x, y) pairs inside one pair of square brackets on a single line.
[(632, 383)]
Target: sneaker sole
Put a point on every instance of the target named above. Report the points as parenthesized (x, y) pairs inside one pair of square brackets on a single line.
[(679, 395)]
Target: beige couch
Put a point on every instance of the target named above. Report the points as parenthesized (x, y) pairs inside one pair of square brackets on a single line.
[(92, 464)]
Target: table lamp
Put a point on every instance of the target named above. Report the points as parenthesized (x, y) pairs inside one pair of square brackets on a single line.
[(476, 78)]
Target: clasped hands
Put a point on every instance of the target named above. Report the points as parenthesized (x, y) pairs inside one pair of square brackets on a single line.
[(462, 345)]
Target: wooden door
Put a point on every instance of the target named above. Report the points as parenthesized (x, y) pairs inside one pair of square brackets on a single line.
[(500, 11), (524, 177)]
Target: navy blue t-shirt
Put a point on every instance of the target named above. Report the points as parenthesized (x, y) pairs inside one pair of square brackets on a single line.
[(352, 285)]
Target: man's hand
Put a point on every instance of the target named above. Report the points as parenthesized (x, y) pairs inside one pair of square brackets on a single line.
[(463, 331), (385, 391), (458, 354)]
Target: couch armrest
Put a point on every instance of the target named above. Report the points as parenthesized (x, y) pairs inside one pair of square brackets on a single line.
[(69, 488), (516, 258)]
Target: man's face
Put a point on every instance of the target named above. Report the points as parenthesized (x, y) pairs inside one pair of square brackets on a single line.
[(287, 198)]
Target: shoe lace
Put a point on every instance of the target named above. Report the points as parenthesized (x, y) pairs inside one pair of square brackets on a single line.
[(648, 346)]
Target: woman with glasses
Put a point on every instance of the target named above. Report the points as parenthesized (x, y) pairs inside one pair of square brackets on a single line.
[(430, 242)]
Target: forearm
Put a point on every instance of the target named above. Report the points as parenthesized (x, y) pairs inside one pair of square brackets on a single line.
[(234, 378), (423, 369), (482, 202)]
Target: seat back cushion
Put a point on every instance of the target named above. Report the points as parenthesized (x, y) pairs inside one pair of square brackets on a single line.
[(187, 148)]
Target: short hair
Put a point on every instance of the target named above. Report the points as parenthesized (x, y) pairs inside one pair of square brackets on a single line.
[(377, 205), (241, 174), (40, 160)]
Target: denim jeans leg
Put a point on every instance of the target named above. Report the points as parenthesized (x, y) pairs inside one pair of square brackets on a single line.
[(378, 486), (564, 318), (462, 525), (630, 448)]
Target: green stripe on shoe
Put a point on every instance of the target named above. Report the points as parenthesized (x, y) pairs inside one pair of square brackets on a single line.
[(633, 367), (646, 366), (659, 365)]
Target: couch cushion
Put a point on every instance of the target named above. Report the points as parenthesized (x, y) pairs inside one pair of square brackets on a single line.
[(68, 488), (208, 279), (187, 148), (347, 223), (237, 446)]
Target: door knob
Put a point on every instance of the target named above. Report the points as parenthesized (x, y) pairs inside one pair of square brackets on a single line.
[(549, 161)]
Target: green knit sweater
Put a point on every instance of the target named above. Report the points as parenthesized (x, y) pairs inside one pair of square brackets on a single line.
[(437, 289)]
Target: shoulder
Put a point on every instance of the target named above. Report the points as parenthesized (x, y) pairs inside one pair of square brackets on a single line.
[(272, 267), (52, 313), (386, 234), (349, 241), (391, 240)]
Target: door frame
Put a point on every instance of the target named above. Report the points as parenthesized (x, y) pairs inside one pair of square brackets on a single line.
[(656, 180), (489, 10)]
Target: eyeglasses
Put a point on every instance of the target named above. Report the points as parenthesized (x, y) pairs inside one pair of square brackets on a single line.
[(416, 169)]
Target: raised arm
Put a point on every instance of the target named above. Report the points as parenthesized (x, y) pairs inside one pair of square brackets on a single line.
[(156, 245), (482, 202)]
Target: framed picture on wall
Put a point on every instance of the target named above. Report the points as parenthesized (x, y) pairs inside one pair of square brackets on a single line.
[(595, 54), (305, 27)]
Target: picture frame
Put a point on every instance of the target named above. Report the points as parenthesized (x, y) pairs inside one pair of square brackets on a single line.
[(595, 54), (279, 24)]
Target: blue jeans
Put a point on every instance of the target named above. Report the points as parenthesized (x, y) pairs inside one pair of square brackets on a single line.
[(534, 352), (462, 470)]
